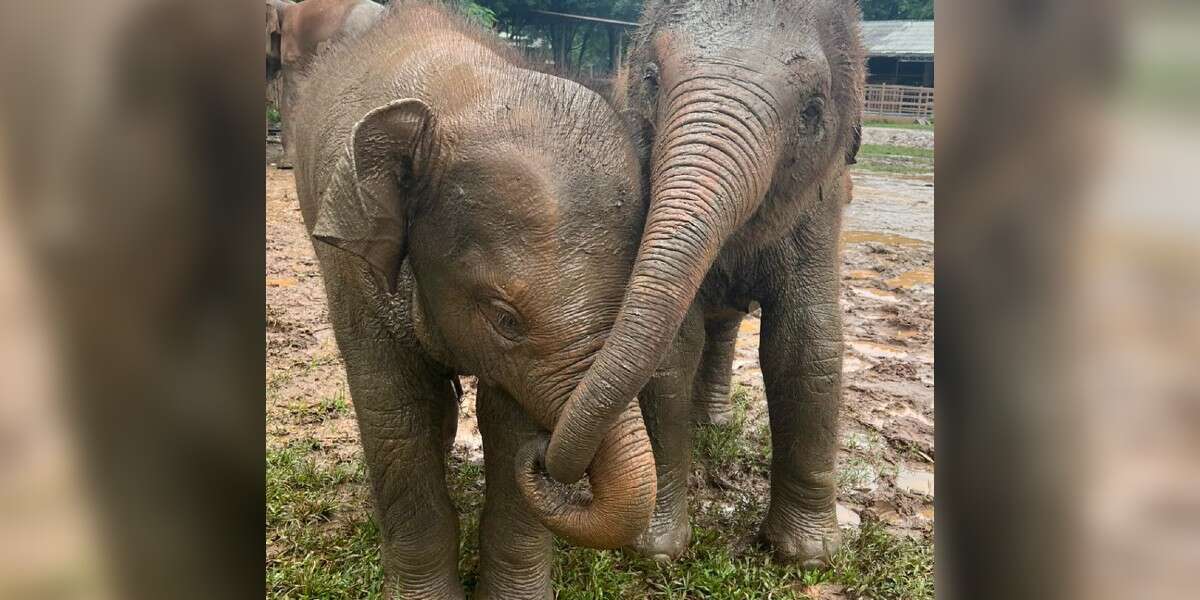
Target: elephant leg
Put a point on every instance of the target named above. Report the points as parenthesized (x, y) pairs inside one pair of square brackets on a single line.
[(711, 405), (402, 404), (514, 547), (801, 356), (666, 404), (287, 101)]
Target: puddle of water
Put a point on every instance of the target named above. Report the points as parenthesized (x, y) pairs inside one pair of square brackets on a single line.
[(887, 239), (281, 282), (908, 279), (917, 482), (877, 350), (861, 274), (853, 364), (847, 517), (874, 294), (912, 414)]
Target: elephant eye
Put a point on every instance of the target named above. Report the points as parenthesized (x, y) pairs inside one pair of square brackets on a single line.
[(813, 111), (504, 319)]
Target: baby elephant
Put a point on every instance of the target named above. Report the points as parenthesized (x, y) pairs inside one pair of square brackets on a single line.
[(471, 217)]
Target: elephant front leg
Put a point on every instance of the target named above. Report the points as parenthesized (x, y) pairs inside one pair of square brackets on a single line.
[(404, 452), (403, 404), (666, 404), (711, 403), (514, 547), (801, 356)]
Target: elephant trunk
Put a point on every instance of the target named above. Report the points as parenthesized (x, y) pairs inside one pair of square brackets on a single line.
[(712, 162), (623, 488)]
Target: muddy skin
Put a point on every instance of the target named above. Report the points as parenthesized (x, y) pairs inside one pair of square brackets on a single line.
[(295, 33), (752, 110), (471, 217)]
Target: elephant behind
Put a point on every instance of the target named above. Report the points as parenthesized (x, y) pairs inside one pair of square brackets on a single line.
[(471, 216), (296, 33)]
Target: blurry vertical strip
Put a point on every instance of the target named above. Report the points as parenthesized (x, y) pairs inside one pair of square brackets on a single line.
[(131, 259)]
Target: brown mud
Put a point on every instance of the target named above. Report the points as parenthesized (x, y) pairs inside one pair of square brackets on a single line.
[(887, 457)]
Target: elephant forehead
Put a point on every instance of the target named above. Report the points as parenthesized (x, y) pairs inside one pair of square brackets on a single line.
[(506, 189)]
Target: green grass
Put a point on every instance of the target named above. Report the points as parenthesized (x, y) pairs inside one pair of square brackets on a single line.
[(904, 160), (889, 125), (865, 464), (273, 115), (323, 542), (729, 444), (319, 544)]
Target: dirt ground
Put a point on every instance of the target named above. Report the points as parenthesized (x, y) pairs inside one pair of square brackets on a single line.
[(887, 457)]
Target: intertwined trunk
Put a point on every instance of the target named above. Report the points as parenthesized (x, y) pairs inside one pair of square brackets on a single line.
[(623, 488), (712, 162)]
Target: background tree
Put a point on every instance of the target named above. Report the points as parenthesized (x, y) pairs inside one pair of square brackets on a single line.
[(880, 10)]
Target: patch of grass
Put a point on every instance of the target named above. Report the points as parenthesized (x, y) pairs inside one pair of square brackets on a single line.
[(879, 150), (335, 404), (866, 461), (873, 564), (877, 565), (323, 543), (883, 158), (273, 115), (725, 445), (890, 125), (317, 546), (324, 408)]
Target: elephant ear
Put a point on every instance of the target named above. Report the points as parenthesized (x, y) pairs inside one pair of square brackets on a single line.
[(369, 214), (855, 142)]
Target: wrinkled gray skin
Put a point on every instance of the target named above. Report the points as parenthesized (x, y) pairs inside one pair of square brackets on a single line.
[(296, 32), (472, 217), (752, 111)]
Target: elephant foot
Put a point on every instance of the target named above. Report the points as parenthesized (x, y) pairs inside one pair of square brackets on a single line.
[(808, 539), (664, 540), (489, 591), (448, 592)]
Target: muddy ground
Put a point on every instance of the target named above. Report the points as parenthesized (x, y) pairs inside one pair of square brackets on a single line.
[(887, 457)]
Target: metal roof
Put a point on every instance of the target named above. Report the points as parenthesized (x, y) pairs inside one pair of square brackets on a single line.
[(898, 38)]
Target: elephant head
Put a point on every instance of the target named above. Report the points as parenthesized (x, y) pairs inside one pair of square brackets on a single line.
[(520, 221), (275, 13), (749, 107)]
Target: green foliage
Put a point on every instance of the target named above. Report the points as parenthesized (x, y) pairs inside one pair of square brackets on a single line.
[(877, 565), (723, 445), (573, 46), (323, 543), (273, 115), (890, 125), (319, 543), (895, 159), (882, 10)]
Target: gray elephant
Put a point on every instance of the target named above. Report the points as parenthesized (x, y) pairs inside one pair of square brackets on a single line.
[(752, 112), (296, 32), (471, 217)]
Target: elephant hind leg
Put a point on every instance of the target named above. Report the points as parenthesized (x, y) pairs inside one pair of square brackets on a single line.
[(665, 403), (711, 404)]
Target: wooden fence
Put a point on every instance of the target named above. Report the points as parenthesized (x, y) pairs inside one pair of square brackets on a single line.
[(899, 101)]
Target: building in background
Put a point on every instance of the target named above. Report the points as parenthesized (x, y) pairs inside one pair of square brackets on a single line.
[(899, 68), (899, 52)]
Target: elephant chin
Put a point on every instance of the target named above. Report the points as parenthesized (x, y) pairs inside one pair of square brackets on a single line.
[(623, 487)]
